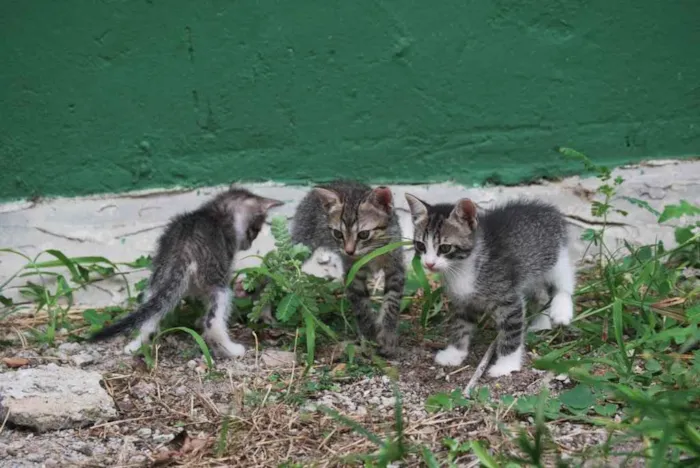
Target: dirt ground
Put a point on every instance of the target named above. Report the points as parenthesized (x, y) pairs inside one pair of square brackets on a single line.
[(246, 413)]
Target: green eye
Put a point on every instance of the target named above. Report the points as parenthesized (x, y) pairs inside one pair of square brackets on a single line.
[(363, 235), (444, 248), (337, 234)]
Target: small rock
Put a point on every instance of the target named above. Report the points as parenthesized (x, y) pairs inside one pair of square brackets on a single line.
[(34, 457), (83, 448), (31, 396), (181, 390), (70, 348), (192, 364), (82, 359), (163, 438), (137, 459), (276, 359), (144, 432), (388, 401), (143, 389), (50, 463)]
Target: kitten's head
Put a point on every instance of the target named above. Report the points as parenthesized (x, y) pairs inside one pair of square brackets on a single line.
[(444, 233), (249, 213), (357, 221)]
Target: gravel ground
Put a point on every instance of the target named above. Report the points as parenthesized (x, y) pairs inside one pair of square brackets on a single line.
[(174, 414)]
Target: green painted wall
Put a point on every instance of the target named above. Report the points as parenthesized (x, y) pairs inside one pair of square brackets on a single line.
[(116, 95)]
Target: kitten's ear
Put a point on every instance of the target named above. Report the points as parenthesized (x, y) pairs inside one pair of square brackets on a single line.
[(328, 198), (418, 208), (268, 203), (465, 211), (383, 198)]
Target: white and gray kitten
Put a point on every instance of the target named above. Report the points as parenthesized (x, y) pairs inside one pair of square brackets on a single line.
[(194, 257), (492, 263)]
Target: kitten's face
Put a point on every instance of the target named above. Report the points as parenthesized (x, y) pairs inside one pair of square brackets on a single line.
[(443, 235), (250, 212), (358, 226)]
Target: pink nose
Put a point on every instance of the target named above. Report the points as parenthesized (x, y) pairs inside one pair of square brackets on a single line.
[(430, 265)]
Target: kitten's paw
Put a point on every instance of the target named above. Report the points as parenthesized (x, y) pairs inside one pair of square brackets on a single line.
[(504, 365), (562, 309), (133, 346), (388, 341), (450, 357), (232, 349)]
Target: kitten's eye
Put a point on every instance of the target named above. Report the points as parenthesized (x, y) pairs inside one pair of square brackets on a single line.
[(337, 234), (363, 235), (420, 247), (444, 248)]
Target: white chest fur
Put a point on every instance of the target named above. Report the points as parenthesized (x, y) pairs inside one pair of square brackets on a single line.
[(461, 279)]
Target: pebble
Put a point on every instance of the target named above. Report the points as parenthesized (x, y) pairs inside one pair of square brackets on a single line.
[(70, 348), (82, 359), (192, 364), (137, 459), (50, 463), (163, 438), (34, 457), (144, 432)]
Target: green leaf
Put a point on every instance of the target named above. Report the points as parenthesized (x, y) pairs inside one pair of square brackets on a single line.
[(652, 365), (483, 455), (6, 301), (578, 398), (683, 234), (371, 256), (606, 410), (197, 338), (676, 211), (642, 204), (429, 457), (75, 274), (438, 402), (287, 307), (618, 325), (310, 332)]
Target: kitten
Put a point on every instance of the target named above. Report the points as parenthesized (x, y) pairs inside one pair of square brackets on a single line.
[(194, 257), (354, 219), (493, 263)]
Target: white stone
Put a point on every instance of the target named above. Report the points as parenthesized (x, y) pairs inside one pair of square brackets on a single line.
[(82, 359), (51, 397), (276, 359)]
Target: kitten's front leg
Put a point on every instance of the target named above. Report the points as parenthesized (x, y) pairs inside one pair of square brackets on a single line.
[(388, 320), (358, 295), (462, 327), (510, 316)]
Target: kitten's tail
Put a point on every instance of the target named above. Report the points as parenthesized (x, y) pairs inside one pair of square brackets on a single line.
[(161, 301)]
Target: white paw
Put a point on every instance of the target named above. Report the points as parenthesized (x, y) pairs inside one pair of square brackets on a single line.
[(541, 322), (450, 357), (133, 347), (506, 364), (562, 309), (233, 349)]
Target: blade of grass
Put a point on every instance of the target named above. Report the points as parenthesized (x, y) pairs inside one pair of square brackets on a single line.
[(371, 256), (197, 338)]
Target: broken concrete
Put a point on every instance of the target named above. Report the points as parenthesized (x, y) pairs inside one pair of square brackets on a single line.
[(50, 397), (125, 226)]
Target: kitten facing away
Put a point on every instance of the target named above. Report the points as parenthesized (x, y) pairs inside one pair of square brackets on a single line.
[(493, 263), (354, 219), (194, 257)]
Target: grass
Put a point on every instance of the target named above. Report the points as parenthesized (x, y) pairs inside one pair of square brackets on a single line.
[(630, 363)]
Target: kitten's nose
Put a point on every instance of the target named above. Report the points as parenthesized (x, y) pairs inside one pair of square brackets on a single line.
[(349, 249), (430, 265)]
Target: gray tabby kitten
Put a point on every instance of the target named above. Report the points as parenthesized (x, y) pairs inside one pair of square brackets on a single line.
[(194, 257), (492, 263), (355, 219)]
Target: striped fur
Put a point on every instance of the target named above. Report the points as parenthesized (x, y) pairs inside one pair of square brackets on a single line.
[(354, 220), (194, 257), (492, 263)]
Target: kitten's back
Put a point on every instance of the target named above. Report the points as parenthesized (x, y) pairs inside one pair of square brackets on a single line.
[(532, 231)]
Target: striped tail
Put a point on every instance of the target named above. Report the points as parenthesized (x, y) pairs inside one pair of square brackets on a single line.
[(161, 301)]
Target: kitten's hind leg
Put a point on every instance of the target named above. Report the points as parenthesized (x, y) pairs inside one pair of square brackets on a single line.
[(563, 279), (461, 329), (510, 316), (146, 333), (216, 322)]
